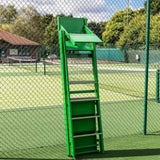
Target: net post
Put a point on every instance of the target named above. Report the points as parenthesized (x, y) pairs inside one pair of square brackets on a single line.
[(157, 85), (146, 68), (44, 64), (36, 65)]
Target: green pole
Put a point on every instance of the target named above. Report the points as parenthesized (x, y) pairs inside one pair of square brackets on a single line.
[(21, 51), (44, 64), (146, 67), (36, 65), (157, 86)]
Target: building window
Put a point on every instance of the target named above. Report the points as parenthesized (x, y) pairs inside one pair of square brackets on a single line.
[(13, 52)]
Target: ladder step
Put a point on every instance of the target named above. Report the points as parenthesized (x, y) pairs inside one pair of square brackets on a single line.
[(84, 99), (82, 91), (87, 134), (81, 82), (84, 152), (95, 145), (85, 117)]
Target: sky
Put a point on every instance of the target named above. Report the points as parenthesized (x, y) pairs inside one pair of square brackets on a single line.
[(94, 10)]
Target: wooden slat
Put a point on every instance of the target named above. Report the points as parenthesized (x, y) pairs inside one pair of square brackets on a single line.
[(84, 99), (88, 38), (84, 152), (85, 117), (81, 82), (94, 145), (82, 91), (87, 134)]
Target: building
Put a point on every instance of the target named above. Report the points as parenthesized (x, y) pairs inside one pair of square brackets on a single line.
[(14, 45)]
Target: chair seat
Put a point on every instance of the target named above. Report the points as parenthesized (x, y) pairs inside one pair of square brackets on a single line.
[(84, 38)]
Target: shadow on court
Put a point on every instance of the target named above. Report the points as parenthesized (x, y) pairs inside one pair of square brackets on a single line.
[(123, 153)]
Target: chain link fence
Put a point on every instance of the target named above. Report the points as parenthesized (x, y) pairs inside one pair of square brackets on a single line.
[(31, 103)]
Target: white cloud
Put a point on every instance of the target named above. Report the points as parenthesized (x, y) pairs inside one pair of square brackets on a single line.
[(95, 10), (97, 17), (91, 9)]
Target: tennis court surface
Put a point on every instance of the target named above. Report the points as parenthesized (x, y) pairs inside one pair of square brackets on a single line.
[(48, 55), (32, 114)]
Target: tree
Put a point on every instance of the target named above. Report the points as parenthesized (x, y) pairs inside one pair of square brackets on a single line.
[(8, 14), (155, 29), (97, 28), (134, 33), (93, 27), (2, 10), (116, 25), (154, 5), (6, 27), (101, 28), (46, 19), (29, 24), (51, 32)]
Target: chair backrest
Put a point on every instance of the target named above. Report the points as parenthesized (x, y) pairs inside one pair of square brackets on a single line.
[(72, 25)]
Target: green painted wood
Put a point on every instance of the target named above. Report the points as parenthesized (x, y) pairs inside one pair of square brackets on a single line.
[(88, 38), (84, 99), (82, 82), (72, 25), (84, 152), (95, 73), (83, 46), (87, 134), (82, 91), (69, 109), (85, 117), (86, 146), (83, 108), (79, 127), (64, 92), (82, 142), (83, 123)]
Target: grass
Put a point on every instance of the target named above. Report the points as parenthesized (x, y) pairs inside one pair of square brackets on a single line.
[(32, 121)]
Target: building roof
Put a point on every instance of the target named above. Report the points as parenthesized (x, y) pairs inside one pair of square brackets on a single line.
[(15, 39)]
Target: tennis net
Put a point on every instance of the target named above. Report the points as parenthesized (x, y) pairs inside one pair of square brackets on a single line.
[(20, 60), (124, 80)]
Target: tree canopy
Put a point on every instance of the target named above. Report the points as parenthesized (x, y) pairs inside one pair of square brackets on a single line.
[(7, 14), (154, 5), (97, 28), (126, 27), (116, 25), (28, 24), (134, 32), (117, 32)]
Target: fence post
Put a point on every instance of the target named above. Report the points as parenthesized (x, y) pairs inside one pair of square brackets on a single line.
[(146, 68), (44, 64), (157, 85)]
